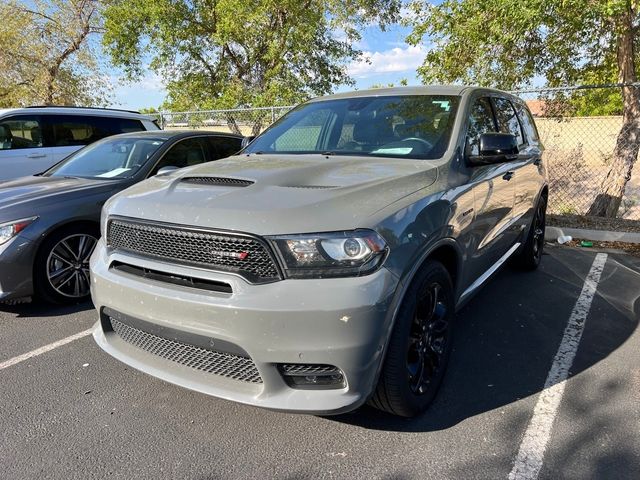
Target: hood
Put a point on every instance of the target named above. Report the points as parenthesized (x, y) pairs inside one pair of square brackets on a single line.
[(268, 194), (23, 192)]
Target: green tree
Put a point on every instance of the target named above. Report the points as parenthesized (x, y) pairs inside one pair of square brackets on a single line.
[(226, 54), (506, 43), (47, 54)]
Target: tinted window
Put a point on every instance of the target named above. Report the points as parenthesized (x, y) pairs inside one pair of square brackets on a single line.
[(507, 119), (185, 153), (82, 130), (528, 124), (109, 158), (222, 147), (387, 126), (480, 121), (20, 132)]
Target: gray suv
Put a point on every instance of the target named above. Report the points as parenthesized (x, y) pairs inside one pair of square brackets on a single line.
[(322, 266)]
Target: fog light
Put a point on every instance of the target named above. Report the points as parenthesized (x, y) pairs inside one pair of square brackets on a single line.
[(312, 376)]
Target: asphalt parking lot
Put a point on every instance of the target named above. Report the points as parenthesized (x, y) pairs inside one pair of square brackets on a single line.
[(75, 412)]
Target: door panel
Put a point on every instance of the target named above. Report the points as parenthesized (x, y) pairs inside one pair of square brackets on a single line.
[(60, 153), (493, 189), (492, 226)]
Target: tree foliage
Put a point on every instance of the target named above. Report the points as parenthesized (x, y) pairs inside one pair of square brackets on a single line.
[(47, 53), (507, 43), (227, 54)]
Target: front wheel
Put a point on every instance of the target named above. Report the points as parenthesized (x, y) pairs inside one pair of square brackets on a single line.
[(61, 271), (419, 346)]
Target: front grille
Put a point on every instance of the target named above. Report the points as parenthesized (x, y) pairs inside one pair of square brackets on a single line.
[(245, 255), (219, 181), (218, 363)]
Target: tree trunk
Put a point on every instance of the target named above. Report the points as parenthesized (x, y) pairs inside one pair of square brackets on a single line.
[(232, 124), (625, 153)]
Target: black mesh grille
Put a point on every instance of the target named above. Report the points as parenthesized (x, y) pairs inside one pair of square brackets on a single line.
[(243, 255), (209, 361), (220, 181), (308, 369)]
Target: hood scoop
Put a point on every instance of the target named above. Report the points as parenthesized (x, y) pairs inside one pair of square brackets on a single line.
[(218, 181)]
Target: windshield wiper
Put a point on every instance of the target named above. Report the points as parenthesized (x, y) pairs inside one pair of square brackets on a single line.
[(327, 153)]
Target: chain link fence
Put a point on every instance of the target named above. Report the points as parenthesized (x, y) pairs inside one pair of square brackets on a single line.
[(243, 121), (579, 127)]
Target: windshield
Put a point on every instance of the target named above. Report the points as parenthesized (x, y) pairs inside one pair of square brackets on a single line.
[(398, 126), (114, 157)]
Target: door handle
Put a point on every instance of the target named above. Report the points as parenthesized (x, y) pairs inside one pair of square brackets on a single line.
[(508, 176), (36, 155)]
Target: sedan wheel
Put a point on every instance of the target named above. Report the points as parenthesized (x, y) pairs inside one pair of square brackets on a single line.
[(68, 266), (61, 267)]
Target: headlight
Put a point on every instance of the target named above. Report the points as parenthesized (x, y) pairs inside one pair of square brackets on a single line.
[(11, 229), (339, 254)]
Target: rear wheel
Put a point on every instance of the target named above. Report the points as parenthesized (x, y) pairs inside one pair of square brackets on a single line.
[(420, 344), (531, 254), (61, 271)]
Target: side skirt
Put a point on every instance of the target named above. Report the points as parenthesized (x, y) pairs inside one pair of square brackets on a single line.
[(468, 293)]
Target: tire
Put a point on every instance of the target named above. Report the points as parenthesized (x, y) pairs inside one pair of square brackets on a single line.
[(530, 255), (402, 389), (61, 269)]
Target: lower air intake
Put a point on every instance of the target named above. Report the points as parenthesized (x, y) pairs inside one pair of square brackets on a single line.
[(218, 363)]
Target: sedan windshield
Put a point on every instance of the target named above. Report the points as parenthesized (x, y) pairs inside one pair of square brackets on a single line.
[(115, 157), (387, 126)]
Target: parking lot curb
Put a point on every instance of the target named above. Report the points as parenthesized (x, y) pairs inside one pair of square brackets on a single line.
[(552, 234)]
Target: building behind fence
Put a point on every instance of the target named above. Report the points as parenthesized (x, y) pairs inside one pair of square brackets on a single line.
[(579, 145)]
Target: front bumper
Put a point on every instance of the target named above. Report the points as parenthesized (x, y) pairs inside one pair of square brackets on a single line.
[(16, 268), (341, 321)]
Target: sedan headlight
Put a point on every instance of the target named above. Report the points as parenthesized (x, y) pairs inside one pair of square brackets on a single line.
[(11, 229), (339, 254)]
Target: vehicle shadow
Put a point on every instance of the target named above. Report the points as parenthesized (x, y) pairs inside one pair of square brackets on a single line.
[(508, 335), (40, 309)]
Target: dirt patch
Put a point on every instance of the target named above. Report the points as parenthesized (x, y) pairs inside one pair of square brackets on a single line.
[(630, 248), (594, 223)]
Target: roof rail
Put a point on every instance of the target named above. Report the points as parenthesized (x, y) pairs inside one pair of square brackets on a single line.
[(86, 108)]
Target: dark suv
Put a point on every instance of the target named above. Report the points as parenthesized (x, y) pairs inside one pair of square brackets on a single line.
[(322, 266)]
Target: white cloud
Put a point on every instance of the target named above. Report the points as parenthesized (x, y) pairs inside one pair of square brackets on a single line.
[(148, 91), (398, 59)]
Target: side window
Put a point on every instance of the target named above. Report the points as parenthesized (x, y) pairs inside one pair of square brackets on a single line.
[(507, 118), (20, 132), (223, 147), (480, 121), (74, 130), (123, 125), (528, 124), (185, 153)]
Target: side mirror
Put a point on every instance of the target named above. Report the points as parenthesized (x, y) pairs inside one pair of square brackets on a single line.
[(247, 140), (167, 170), (495, 148)]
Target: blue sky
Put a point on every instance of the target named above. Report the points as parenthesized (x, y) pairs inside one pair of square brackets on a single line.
[(391, 60)]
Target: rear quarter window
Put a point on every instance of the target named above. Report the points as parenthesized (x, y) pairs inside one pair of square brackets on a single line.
[(79, 130), (528, 124)]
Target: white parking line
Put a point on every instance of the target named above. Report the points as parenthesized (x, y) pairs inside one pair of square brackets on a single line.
[(45, 349), (528, 462)]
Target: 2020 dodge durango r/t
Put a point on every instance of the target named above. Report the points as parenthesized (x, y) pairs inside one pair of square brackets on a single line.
[(322, 266)]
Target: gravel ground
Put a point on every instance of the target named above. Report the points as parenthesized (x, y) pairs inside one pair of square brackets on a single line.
[(630, 248), (594, 223)]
